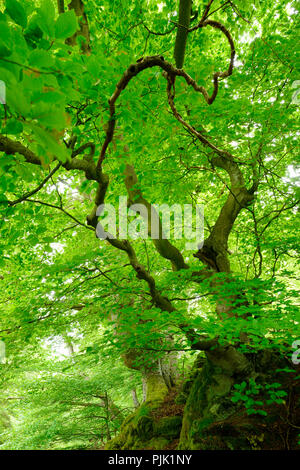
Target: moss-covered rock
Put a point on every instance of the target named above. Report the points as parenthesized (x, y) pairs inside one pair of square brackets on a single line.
[(213, 421), (156, 390), (207, 403), (157, 443), (185, 387), (168, 427), (138, 429), (147, 428), (133, 426), (144, 427)]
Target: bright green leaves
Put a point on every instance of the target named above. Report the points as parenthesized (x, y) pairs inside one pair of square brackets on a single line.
[(43, 21), (7, 173), (24, 172), (35, 100), (17, 99), (33, 33), (46, 18), (246, 393), (48, 147), (49, 115), (66, 25), (13, 127), (40, 58), (17, 13), (5, 39), (10, 166)]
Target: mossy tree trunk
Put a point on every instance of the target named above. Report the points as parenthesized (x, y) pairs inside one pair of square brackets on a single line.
[(212, 421), (209, 400)]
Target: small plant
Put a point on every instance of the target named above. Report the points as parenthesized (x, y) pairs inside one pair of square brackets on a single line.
[(275, 395), (247, 393)]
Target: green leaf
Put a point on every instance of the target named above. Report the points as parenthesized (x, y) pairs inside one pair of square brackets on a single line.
[(17, 100), (40, 58), (235, 399), (13, 127), (24, 172), (49, 146), (46, 18), (66, 25), (33, 32), (17, 13), (5, 40), (48, 115)]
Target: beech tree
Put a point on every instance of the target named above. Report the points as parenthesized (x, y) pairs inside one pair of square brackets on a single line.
[(177, 102)]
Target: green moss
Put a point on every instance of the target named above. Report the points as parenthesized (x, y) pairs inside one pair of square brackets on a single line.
[(125, 436), (156, 389), (186, 386), (197, 401), (143, 410), (144, 427), (158, 443), (135, 431), (220, 386), (211, 420), (204, 404), (199, 426), (141, 431), (168, 427)]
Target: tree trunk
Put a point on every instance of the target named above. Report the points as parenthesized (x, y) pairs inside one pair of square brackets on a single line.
[(212, 421)]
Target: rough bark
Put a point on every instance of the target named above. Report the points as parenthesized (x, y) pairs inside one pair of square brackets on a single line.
[(78, 7)]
